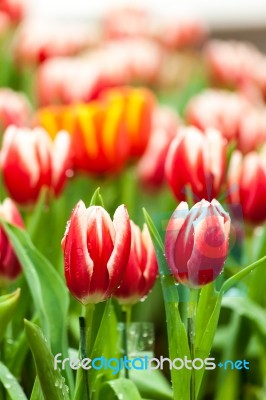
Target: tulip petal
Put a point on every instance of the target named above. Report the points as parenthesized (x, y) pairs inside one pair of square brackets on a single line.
[(122, 242), (78, 263), (172, 231), (100, 243), (61, 160)]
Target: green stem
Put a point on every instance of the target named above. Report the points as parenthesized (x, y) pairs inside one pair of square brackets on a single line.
[(126, 317), (191, 322), (82, 327), (89, 311)]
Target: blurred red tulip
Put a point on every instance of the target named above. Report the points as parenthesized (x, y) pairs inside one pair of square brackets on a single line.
[(142, 268), (247, 185), (9, 265), (14, 108), (151, 165), (239, 65), (37, 40), (111, 65), (171, 33), (15, 9), (30, 161), (96, 251), (196, 242), (252, 130), (126, 22), (218, 109), (196, 161)]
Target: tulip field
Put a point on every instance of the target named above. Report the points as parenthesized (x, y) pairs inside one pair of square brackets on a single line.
[(132, 209)]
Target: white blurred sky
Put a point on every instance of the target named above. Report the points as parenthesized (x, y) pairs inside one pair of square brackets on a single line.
[(218, 13)]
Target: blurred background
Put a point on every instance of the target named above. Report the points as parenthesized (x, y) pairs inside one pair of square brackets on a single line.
[(227, 19)]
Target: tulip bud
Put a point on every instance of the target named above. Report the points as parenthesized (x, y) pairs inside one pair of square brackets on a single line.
[(142, 268), (30, 161), (96, 251), (197, 160), (247, 185), (9, 265), (196, 242)]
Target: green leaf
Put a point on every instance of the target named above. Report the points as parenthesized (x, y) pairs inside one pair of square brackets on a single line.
[(119, 389), (177, 336), (48, 291), (100, 318), (51, 381), (36, 393), (206, 304), (152, 384), (204, 343), (97, 199), (8, 305), (10, 384), (245, 307)]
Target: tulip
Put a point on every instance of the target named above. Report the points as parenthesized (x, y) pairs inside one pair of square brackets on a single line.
[(97, 133), (252, 130), (141, 270), (238, 65), (30, 161), (96, 251), (196, 160), (151, 165), (138, 106), (247, 185), (218, 109), (15, 9), (9, 265), (196, 242), (112, 65), (36, 41), (14, 108)]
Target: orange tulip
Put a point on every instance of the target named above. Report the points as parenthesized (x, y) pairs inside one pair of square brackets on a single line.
[(138, 104)]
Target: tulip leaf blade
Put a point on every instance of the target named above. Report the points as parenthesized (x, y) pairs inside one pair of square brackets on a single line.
[(51, 381), (10, 384), (8, 305), (47, 289), (204, 343), (36, 393), (243, 306), (177, 335), (96, 199), (119, 388)]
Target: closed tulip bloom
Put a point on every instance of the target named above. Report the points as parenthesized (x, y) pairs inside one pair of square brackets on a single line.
[(196, 160), (196, 242), (247, 185), (96, 251), (30, 160), (9, 264), (142, 268)]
